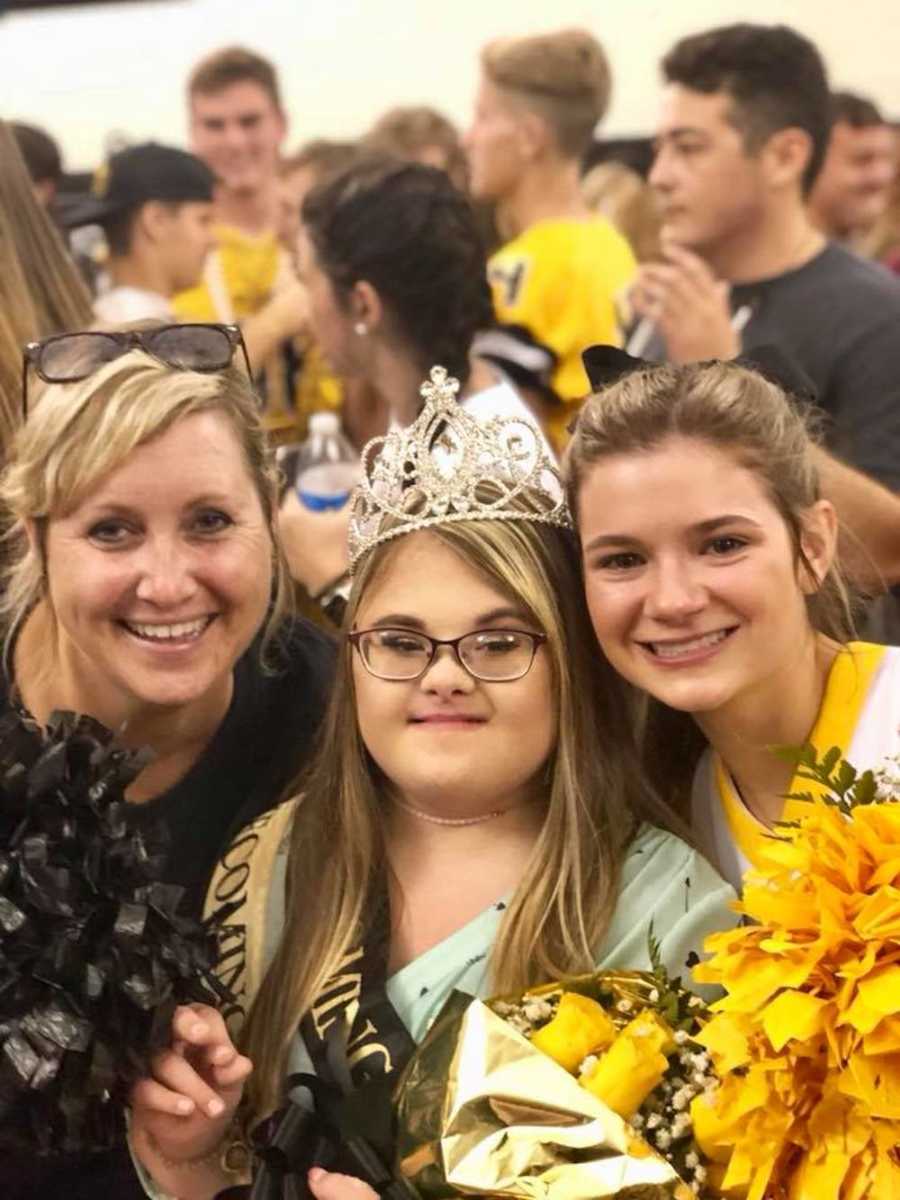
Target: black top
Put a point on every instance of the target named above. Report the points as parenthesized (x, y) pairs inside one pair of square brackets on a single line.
[(259, 748), (264, 740), (839, 316)]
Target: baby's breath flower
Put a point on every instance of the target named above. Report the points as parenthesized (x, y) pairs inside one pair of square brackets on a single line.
[(681, 1099), (681, 1124)]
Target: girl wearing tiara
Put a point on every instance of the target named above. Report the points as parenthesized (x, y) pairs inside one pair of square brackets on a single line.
[(476, 819), (712, 580)]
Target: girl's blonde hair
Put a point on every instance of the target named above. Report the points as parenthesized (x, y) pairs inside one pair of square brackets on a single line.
[(77, 433), (595, 794), (739, 411), (41, 291)]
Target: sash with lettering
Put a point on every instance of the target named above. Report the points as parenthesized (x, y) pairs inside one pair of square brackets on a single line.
[(356, 1041)]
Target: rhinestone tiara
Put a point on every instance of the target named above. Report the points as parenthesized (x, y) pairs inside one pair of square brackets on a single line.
[(447, 466)]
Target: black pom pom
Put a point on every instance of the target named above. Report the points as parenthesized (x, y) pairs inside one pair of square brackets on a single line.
[(94, 956)]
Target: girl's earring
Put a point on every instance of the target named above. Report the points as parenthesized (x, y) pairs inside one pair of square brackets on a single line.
[(360, 328)]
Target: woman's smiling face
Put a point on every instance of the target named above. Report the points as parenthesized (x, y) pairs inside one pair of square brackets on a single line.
[(160, 578), (692, 580)]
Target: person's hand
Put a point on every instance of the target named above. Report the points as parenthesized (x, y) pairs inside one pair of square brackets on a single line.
[(288, 309), (688, 305), (315, 543), (284, 316), (180, 1114), (329, 1185)]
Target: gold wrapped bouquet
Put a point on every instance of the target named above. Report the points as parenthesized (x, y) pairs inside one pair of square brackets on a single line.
[(566, 1092)]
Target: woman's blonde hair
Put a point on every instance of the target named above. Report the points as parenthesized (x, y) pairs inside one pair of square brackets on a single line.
[(41, 291), (77, 433), (741, 412), (595, 792)]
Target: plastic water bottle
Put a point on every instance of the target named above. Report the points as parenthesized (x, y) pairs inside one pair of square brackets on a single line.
[(328, 467)]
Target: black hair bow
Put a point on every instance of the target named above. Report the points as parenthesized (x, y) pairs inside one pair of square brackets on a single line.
[(607, 364)]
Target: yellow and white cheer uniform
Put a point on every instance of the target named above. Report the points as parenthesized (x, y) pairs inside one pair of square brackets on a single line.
[(860, 713)]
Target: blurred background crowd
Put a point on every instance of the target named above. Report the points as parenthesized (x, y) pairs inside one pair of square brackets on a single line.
[(762, 205)]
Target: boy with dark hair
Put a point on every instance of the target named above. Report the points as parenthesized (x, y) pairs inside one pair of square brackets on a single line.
[(774, 79), (744, 130), (155, 206), (557, 280), (854, 186)]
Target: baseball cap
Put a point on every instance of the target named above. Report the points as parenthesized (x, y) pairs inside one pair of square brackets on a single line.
[(136, 175)]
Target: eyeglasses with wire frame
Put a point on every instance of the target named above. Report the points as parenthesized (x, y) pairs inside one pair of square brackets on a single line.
[(71, 357), (489, 655)]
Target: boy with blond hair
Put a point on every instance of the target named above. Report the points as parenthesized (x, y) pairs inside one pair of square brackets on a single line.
[(558, 280)]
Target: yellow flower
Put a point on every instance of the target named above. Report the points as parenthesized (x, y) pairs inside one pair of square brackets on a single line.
[(633, 1066), (579, 1028)]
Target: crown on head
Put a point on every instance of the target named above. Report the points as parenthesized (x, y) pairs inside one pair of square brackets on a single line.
[(447, 466)]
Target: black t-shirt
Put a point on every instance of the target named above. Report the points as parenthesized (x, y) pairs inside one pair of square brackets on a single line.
[(261, 745), (839, 316)]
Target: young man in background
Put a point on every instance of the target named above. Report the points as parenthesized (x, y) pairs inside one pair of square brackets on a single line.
[(854, 186), (238, 126), (154, 204), (558, 280)]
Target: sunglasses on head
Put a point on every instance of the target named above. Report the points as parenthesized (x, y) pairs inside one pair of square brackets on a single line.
[(70, 357)]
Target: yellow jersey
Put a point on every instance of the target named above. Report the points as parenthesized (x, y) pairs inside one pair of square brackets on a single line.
[(565, 281)]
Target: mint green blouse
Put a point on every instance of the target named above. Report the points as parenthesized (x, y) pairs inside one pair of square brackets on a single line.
[(663, 881)]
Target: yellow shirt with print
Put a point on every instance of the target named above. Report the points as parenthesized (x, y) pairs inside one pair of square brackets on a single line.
[(566, 281), (241, 275)]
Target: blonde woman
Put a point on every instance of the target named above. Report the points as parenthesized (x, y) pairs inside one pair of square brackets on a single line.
[(144, 585), (475, 818), (711, 574)]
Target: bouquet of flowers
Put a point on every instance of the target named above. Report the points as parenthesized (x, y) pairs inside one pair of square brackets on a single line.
[(626, 1085), (565, 1092)]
